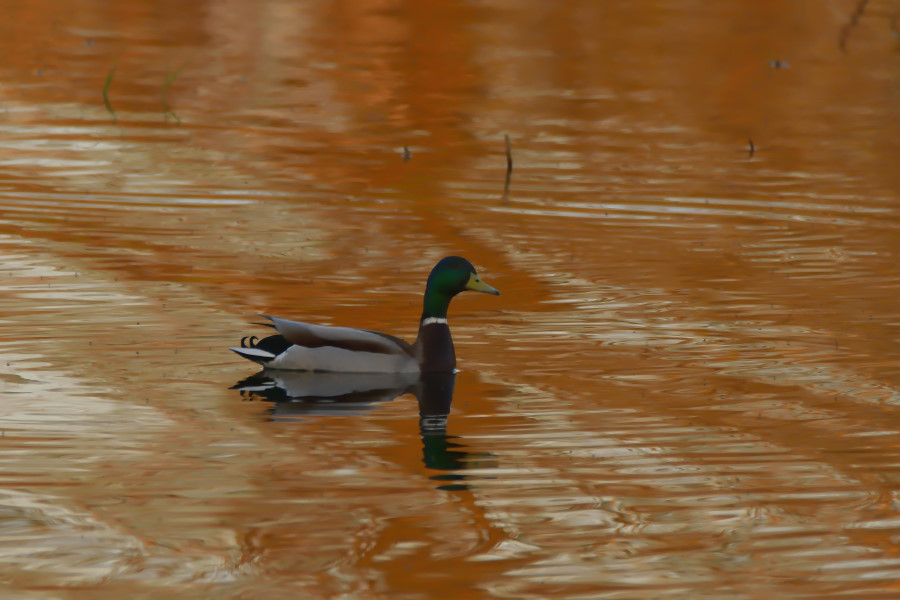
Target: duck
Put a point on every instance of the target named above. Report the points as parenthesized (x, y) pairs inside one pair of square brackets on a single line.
[(302, 346)]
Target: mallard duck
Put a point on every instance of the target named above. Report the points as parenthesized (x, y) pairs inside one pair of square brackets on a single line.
[(305, 347)]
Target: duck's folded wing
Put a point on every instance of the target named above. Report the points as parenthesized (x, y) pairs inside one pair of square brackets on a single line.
[(357, 340)]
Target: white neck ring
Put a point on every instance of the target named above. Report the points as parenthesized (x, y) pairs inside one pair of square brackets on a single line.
[(433, 320)]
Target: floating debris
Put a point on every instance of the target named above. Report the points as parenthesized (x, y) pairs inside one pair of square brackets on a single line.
[(106, 84), (167, 82), (854, 21), (509, 168)]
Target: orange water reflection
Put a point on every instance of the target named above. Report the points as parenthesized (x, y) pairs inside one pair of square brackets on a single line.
[(688, 388)]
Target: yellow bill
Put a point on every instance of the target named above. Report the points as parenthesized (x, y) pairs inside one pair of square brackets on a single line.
[(477, 285)]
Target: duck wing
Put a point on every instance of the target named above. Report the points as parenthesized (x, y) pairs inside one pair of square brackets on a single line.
[(346, 338)]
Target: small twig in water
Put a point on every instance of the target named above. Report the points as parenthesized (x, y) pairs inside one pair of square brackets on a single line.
[(406, 154), (167, 82), (752, 148), (509, 168), (854, 20), (109, 78)]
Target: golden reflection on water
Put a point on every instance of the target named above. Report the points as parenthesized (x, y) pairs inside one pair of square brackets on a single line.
[(688, 388)]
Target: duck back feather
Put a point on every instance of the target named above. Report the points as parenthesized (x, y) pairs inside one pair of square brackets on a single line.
[(347, 338)]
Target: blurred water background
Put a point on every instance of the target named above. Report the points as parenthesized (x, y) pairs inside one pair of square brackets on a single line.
[(689, 387)]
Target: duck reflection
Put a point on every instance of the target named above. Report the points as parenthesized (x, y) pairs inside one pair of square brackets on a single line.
[(301, 393), (296, 394)]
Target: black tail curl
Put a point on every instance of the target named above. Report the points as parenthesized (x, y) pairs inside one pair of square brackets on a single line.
[(273, 343)]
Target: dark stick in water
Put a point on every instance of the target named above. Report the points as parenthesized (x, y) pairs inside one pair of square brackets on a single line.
[(167, 82), (854, 20), (509, 168), (106, 84)]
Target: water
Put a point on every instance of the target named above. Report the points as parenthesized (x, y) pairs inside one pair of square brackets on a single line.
[(688, 388)]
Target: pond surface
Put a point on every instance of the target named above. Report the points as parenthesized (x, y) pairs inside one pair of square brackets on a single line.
[(689, 387)]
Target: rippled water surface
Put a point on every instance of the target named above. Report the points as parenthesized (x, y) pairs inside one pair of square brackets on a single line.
[(689, 387)]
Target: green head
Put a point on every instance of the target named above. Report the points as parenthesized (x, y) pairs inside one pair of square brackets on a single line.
[(449, 277)]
